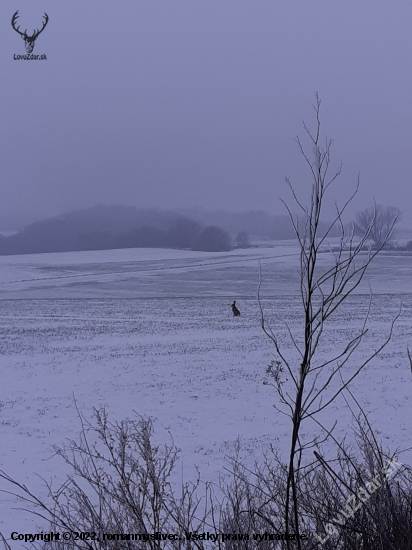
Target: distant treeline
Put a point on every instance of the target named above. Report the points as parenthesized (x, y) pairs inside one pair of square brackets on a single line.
[(257, 223), (108, 227), (116, 226)]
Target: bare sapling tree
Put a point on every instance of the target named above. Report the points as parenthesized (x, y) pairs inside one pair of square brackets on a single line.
[(378, 220), (314, 380)]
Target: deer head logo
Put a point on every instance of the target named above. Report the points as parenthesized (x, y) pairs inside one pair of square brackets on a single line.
[(29, 40)]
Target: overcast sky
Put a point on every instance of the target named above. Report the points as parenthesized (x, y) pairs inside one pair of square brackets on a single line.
[(180, 103)]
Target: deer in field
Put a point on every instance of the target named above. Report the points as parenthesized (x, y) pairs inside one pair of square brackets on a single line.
[(236, 312)]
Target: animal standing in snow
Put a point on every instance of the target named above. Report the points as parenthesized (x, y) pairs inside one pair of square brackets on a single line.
[(235, 310)]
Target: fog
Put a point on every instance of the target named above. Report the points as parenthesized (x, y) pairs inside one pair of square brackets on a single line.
[(180, 104)]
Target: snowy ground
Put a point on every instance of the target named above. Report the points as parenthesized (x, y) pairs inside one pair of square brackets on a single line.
[(151, 331)]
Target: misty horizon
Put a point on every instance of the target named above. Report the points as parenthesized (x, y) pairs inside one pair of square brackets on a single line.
[(185, 105)]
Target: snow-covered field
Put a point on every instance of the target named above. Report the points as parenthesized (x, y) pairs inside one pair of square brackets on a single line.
[(151, 331)]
